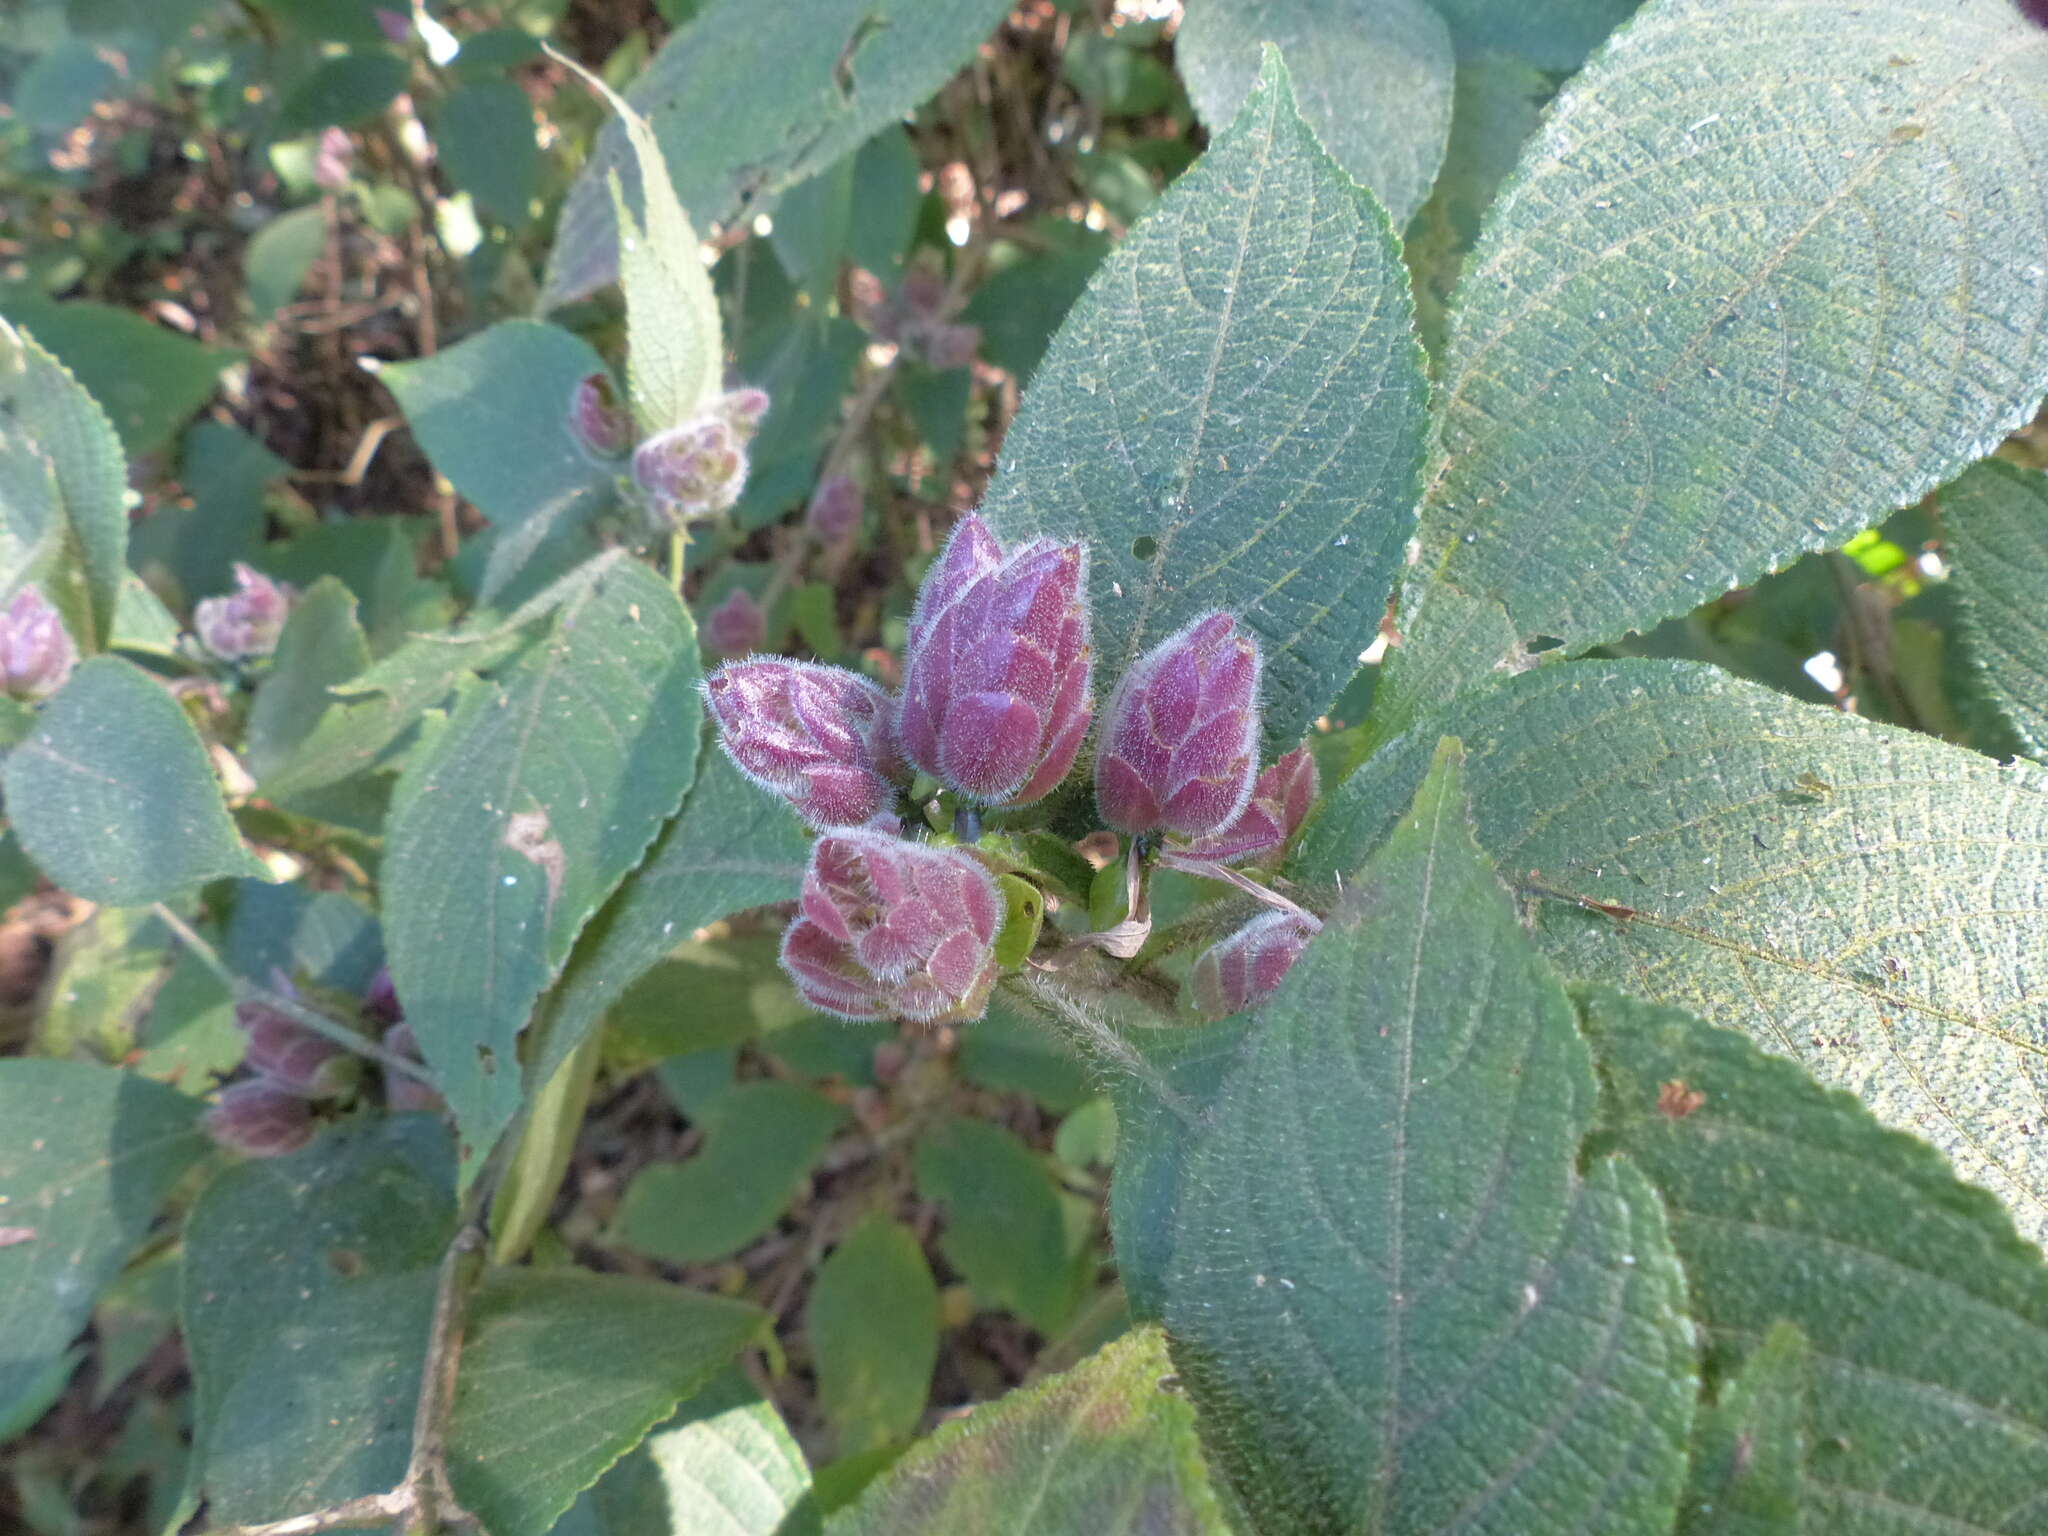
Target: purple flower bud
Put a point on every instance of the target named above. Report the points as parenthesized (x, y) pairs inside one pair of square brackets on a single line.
[(1180, 742), (404, 1094), (331, 161), (996, 673), (395, 25), (260, 1118), (951, 346), (36, 653), (742, 410), (820, 737), (599, 419), (380, 1000), (737, 625), (1248, 965), (246, 622), (1279, 803), (292, 1056), (894, 929), (834, 512), (692, 471)]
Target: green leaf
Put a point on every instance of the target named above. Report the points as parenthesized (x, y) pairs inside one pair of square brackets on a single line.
[(760, 1139), (1761, 278), (1373, 78), (1749, 1446), (1398, 1304), (732, 847), (89, 1155), (279, 256), (1552, 34), (101, 980), (1199, 417), (322, 645), (344, 90), (492, 412), (1100, 1450), (53, 434), (526, 1192), (826, 77), (1021, 306), (563, 1372), (1863, 899), (308, 1291), (148, 379), (1004, 1229), (872, 1321), (1926, 1315), (484, 133), (1995, 523), (729, 1466), (113, 796), (519, 819)]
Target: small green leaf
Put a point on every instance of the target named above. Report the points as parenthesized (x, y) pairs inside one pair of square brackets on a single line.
[(1105, 1449), (563, 1372), (760, 1139), (729, 1465), (148, 379), (873, 1325), (88, 1157), (1749, 1446), (1023, 917), (341, 91), (1227, 461), (1004, 1229), (1373, 78), (485, 134), (322, 645), (279, 256), (519, 819), (1995, 520), (113, 796), (308, 1292), (526, 1192)]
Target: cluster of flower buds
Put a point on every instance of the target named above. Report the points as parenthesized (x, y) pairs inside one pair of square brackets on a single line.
[(736, 626), (997, 671), (697, 469), (36, 652), (271, 1112), (834, 510), (1180, 743), (244, 624), (894, 929), (914, 317), (820, 737), (1246, 967)]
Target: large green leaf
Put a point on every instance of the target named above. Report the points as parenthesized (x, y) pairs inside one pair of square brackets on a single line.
[(1925, 1314), (1232, 414), (872, 1322), (516, 822), (1100, 1450), (1866, 900), (1398, 1304), (112, 794), (308, 1292), (86, 1158), (563, 1372), (1373, 78), (1767, 272), (65, 482), (732, 847), (824, 75), (1995, 519), (726, 1465)]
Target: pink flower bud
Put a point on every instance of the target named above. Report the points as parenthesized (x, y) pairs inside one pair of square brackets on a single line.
[(36, 653), (692, 471), (331, 161), (951, 346), (380, 1000), (599, 419), (245, 623), (737, 625), (894, 929), (834, 512), (818, 736), (996, 673), (1248, 965), (743, 410), (1180, 743), (1279, 803), (292, 1056), (260, 1118)]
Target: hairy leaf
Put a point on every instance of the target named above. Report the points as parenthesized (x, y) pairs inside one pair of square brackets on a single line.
[(147, 378), (1995, 519), (726, 1465), (1232, 415), (322, 645), (1863, 899), (1766, 273), (1100, 1450)]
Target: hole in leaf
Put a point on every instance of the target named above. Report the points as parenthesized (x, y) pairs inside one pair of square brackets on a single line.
[(1144, 547), (487, 1059)]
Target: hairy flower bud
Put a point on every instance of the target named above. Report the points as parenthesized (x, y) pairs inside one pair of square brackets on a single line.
[(692, 471), (292, 1056), (996, 673), (260, 1118), (894, 929), (834, 512), (1247, 966), (743, 410), (36, 652), (246, 622), (599, 418), (1180, 741), (1279, 803), (818, 736), (737, 625)]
